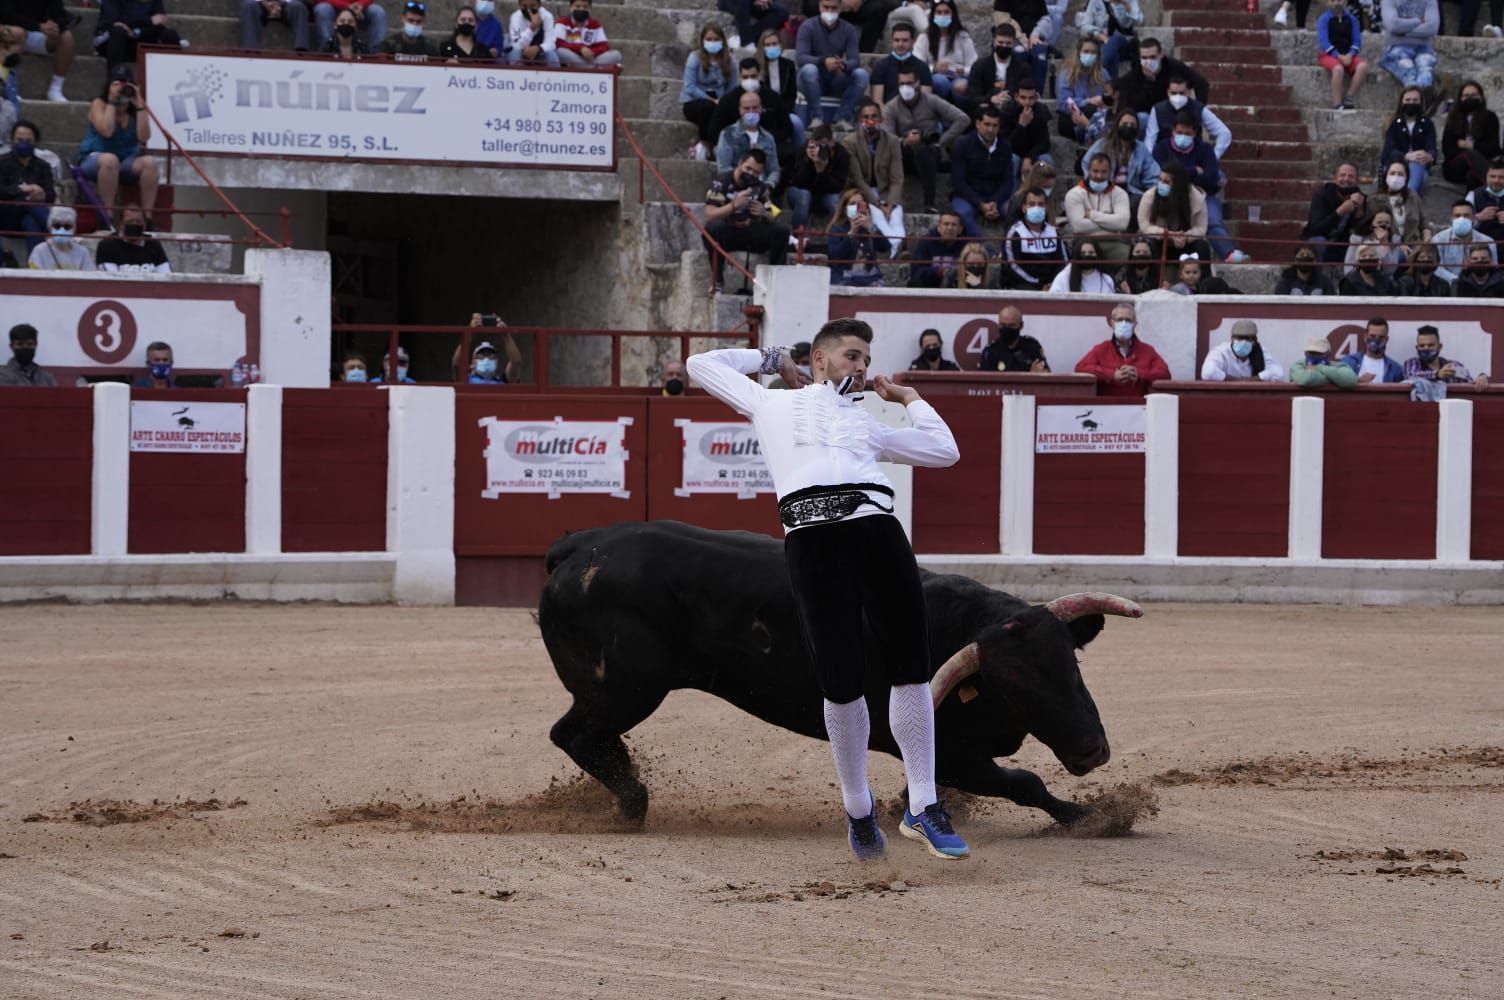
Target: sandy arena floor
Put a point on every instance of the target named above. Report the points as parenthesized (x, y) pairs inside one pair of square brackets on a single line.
[(1290, 749)]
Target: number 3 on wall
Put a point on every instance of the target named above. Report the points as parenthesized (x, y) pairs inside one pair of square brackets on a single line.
[(107, 332)]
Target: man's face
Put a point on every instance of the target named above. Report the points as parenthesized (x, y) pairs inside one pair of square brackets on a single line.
[(160, 356), (1026, 97), (528, 7), (23, 133), (1149, 57), (1495, 178), (1427, 342), (870, 116), (987, 129), (133, 215), (928, 341), (674, 370), (902, 41), (830, 6), (908, 79), (1178, 87), (1368, 255), (749, 73), (1379, 334), (750, 171), (25, 343), (1097, 171), (481, 356), (1478, 257), (1347, 176), (354, 366), (580, 5), (412, 17), (849, 357), (1003, 42), (1185, 130), (950, 226), (749, 102), (1122, 313), (1462, 212), (465, 17), (1033, 200), (1010, 316)]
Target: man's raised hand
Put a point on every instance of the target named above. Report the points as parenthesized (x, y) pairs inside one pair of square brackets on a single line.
[(891, 392)]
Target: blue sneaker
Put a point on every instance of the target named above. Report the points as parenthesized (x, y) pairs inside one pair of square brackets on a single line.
[(933, 828), (866, 839)]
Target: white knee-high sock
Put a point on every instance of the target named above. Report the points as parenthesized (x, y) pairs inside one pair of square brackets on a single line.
[(911, 716), (849, 726)]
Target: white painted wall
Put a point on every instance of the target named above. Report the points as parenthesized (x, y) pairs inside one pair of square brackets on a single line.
[(294, 315)]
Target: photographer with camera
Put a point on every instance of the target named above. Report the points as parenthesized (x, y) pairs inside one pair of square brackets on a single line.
[(112, 145), (125, 23), (926, 126), (485, 364), (818, 178), (739, 214)]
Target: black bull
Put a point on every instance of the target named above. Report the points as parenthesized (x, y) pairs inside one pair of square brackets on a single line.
[(633, 611)]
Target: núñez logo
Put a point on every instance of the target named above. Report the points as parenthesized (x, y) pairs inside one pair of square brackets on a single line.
[(195, 97)]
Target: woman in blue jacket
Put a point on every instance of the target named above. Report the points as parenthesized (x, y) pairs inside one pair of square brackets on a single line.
[(855, 244), (1078, 89), (706, 73), (1411, 137)]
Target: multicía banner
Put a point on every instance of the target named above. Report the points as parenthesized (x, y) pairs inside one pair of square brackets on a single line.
[(722, 458), (1089, 429), (374, 111), (565, 456), (192, 427)]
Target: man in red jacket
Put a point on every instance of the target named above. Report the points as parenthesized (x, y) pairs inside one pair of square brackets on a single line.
[(1123, 365)]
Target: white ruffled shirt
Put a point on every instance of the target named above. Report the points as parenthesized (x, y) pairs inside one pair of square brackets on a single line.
[(814, 437)]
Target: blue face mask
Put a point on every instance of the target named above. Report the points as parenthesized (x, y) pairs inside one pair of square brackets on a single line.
[(485, 8), (412, 30), (901, 56), (751, 118), (485, 367), (1315, 359), (62, 237), (1097, 186), (772, 53), (1375, 345), (1242, 348), (1162, 189), (1182, 142), (851, 211), (1123, 330), (1035, 214), (160, 371), (355, 375), (712, 46), (1462, 226), (401, 372), (1088, 59), (1427, 355), (942, 21)]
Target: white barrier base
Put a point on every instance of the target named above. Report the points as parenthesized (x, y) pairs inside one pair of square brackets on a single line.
[(343, 577), (1249, 581)]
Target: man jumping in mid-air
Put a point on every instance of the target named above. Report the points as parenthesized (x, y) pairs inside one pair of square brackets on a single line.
[(848, 556)]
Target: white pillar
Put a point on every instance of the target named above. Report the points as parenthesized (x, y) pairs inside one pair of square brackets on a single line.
[(294, 315), (420, 492), (110, 493), (1454, 482), (1016, 530), (1307, 445), (263, 470), (795, 302), (1162, 476)]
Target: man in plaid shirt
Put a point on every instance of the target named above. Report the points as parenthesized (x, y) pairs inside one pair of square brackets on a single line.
[(1430, 366)]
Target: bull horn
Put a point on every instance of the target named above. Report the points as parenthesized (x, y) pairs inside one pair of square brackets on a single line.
[(1073, 606), (953, 671)]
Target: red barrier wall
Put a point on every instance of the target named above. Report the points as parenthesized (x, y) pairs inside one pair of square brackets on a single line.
[(1088, 504), (46, 450), (1379, 484), (1488, 479), (334, 452), (666, 473), (187, 502), (1234, 477), (956, 509)]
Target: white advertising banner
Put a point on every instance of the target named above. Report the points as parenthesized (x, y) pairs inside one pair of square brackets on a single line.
[(193, 427), (374, 111), (1089, 429), (722, 457), (565, 456)]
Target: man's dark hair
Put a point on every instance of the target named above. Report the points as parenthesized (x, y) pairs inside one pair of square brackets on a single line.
[(1037, 192), (755, 154), (749, 63), (953, 213), (903, 26), (988, 111), (800, 351), (353, 356), (1379, 321), (1180, 79), (867, 103), (1004, 30), (1024, 85), (930, 333), (837, 329), (1497, 163), (1150, 43), (1462, 201), (158, 345), (1428, 330), (23, 123), (1099, 156), (908, 71), (1187, 117), (23, 331)]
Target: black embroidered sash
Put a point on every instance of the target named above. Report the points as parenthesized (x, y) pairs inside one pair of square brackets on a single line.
[(820, 504)]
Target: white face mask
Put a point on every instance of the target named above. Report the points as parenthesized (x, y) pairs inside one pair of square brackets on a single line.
[(1178, 101), (829, 17), (1395, 183), (906, 91), (752, 85)]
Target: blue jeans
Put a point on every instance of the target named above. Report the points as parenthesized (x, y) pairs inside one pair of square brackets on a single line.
[(1039, 65), (1216, 233), (968, 213), (1111, 52), (816, 81), (90, 166), (1411, 65), (1418, 175), (802, 202), (31, 219), (323, 25), (550, 57)]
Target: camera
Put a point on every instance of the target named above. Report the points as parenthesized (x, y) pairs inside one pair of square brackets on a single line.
[(490, 319)]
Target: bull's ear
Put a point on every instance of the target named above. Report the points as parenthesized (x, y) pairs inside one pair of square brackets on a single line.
[(1085, 629)]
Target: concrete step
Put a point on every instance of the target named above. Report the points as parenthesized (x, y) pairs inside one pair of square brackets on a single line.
[(1177, 6), (1270, 210), (1269, 95), (648, 97), (1250, 189), (1312, 89), (1285, 152), (1239, 72), (1236, 115), (1286, 235), (1215, 19), (659, 139), (85, 79), (689, 179), (1204, 56), (1291, 132), (1228, 39)]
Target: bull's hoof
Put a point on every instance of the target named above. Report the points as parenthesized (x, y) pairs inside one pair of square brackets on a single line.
[(1070, 813), (634, 808)]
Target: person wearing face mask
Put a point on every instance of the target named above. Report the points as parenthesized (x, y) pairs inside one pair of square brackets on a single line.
[(125, 24), (948, 49), (868, 17), (707, 76), (1140, 273), (61, 251), (1130, 162), (1420, 280), (132, 251), (773, 116), (1488, 202), (1411, 139), (1336, 209), (884, 75), (367, 17), (1304, 277), (346, 43), (747, 134), (158, 374), (926, 127), (1338, 42), (1087, 271), (463, 45), (995, 76), (1377, 229), (1175, 211), (26, 177), (830, 64), (1403, 204), (1034, 249), (779, 86), (1480, 279), (1367, 277), (1470, 138), (408, 44), (1123, 365), (1078, 89), (972, 269), (755, 18), (1241, 358), (674, 381), (1178, 101), (22, 368), (1011, 350), (877, 172), (1184, 145), (1114, 25), (1026, 126), (531, 34), (1429, 365), (739, 215), (931, 358), (1035, 29), (1373, 365), (256, 13), (1098, 207), (1147, 81), (855, 244), (403, 368), (1315, 368), (580, 39), (352, 369), (1410, 25), (1453, 243)]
